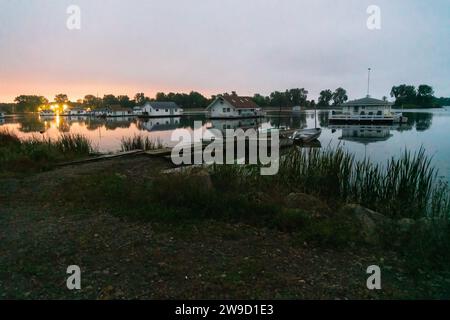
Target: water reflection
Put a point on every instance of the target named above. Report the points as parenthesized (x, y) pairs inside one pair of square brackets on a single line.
[(159, 124), (429, 129), (364, 134), (420, 120)]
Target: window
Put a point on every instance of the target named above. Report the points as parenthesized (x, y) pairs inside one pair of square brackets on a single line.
[(224, 110), (228, 109), (157, 110), (167, 110), (176, 110)]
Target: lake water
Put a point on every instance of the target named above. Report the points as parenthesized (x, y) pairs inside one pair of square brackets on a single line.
[(428, 128)]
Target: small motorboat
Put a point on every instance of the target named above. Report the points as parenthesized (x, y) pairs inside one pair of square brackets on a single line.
[(306, 135)]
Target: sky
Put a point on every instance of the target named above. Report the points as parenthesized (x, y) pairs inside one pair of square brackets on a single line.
[(216, 46)]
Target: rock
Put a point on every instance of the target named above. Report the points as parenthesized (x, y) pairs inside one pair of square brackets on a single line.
[(307, 203), (405, 225), (370, 224)]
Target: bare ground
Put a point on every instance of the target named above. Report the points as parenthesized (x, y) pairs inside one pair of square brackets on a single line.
[(125, 259)]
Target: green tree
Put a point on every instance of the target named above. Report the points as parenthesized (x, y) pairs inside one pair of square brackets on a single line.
[(404, 94), (91, 101), (110, 100), (29, 103), (325, 97), (297, 97), (425, 95), (261, 100), (61, 98), (140, 99), (339, 96), (125, 101)]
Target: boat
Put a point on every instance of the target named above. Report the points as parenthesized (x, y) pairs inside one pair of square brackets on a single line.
[(306, 135)]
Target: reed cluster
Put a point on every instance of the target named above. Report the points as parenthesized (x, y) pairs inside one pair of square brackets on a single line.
[(407, 186), (141, 142), (38, 152)]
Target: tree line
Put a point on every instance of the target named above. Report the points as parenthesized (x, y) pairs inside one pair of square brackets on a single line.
[(409, 96), (299, 97), (405, 95)]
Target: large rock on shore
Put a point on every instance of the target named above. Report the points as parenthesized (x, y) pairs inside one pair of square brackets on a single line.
[(370, 224), (307, 203)]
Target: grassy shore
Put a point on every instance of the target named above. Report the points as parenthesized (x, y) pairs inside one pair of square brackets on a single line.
[(224, 231), (38, 153)]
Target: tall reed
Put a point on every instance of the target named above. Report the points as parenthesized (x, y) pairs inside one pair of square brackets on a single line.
[(407, 186), (141, 142)]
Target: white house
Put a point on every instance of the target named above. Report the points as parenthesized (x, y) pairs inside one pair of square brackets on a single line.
[(118, 111), (366, 110), (138, 110), (233, 106), (161, 109), (78, 112)]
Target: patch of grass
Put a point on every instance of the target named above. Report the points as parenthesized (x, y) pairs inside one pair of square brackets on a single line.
[(36, 154), (141, 142)]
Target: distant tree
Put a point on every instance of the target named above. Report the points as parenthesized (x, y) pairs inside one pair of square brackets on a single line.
[(197, 100), (325, 97), (91, 101), (279, 99), (425, 95), (404, 94), (140, 99), (125, 101), (161, 96), (297, 97), (339, 96), (29, 103), (61, 98), (260, 100), (110, 100)]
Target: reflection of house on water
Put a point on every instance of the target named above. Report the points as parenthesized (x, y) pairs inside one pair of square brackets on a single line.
[(118, 122), (159, 124), (234, 124), (364, 134)]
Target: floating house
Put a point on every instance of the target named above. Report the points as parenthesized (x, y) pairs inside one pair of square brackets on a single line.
[(78, 112), (160, 109), (138, 110), (233, 107), (47, 113), (118, 111), (366, 110)]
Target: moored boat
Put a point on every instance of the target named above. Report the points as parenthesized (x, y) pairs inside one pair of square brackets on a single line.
[(306, 135)]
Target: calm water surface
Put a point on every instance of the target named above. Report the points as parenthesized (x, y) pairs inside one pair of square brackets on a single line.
[(430, 129)]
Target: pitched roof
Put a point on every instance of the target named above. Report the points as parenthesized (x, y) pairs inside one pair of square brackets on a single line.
[(367, 101), (163, 104), (240, 102)]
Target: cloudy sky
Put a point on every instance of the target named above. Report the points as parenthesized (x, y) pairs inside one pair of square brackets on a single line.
[(214, 46)]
